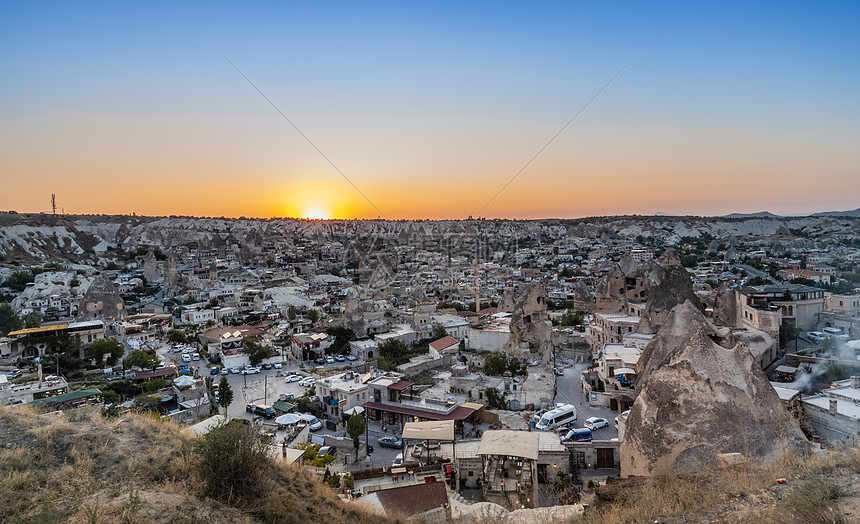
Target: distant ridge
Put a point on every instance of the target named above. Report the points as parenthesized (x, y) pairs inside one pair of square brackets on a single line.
[(760, 214), (852, 213), (662, 214)]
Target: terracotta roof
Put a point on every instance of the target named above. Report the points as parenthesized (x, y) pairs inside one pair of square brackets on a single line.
[(400, 386), (43, 329), (413, 500), (443, 343)]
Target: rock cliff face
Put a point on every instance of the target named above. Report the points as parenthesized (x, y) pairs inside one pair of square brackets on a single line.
[(699, 399), (531, 331)]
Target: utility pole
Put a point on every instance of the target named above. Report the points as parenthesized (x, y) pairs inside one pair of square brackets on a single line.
[(54, 204)]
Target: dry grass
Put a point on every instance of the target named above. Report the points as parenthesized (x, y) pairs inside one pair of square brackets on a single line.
[(746, 493), (80, 468)]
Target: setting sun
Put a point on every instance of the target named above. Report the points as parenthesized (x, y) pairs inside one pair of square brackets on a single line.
[(316, 214)]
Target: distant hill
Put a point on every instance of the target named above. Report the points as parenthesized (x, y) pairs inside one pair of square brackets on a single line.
[(760, 214), (852, 213)]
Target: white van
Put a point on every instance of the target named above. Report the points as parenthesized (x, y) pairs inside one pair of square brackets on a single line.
[(312, 421), (562, 416)]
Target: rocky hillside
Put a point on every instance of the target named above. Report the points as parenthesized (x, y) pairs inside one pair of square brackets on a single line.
[(92, 239), (78, 467)]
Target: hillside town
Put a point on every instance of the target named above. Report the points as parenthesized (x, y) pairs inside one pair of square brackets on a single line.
[(436, 369)]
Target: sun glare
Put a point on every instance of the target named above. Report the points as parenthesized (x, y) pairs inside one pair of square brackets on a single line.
[(316, 214)]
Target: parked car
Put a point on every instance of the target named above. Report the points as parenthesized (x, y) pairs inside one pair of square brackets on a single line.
[(308, 382), (224, 371), (623, 415), (320, 361), (340, 358), (215, 370), (186, 358), (266, 365), (593, 423), (294, 378), (815, 336), (398, 461), (250, 370), (261, 410), (327, 450), (351, 358), (195, 356), (235, 371), (390, 442), (277, 365), (559, 372), (329, 360)]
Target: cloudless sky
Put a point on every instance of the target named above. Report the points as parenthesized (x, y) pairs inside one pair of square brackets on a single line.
[(429, 108)]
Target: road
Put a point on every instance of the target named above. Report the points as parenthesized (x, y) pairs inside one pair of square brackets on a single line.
[(570, 392)]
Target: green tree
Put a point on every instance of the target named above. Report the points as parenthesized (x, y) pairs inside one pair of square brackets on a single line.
[(256, 352), (392, 353), (355, 427), (225, 394), (572, 318), (313, 315), (18, 280), (177, 336), (212, 304), (32, 320), (105, 346), (438, 332), (495, 364), (342, 337), (787, 332), (9, 321), (142, 359), (291, 313)]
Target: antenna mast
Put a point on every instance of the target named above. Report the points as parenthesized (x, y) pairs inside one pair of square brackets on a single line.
[(54, 204)]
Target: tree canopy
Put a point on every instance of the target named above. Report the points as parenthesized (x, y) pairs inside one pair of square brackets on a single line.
[(355, 427), (256, 352), (142, 359), (225, 394), (9, 321), (105, 346)]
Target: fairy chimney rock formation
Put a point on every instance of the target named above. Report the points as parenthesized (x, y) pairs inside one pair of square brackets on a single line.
[(699, 399)]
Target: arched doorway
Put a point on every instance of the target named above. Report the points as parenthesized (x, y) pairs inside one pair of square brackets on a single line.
[(30, 352), (369, 355)]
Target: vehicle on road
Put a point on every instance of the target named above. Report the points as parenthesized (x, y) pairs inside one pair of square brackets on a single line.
[(329, 360), (398, 461), (559, 372), (340, 358), (622, 416), (308, 382), (593, 423), (561, 416), (224, 371), (215, 370), (266, 365), (390, 442), (351, 358), (577, 435), (261, 410), (816, 337), (313, 422), (277, 365), (294, 378), (235, 371), (186, 358), (195, 356), (320, 361)]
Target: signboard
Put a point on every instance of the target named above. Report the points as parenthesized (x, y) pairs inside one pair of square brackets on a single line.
[(594, 398)]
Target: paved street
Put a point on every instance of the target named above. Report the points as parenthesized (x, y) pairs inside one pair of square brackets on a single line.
[(570, 392)]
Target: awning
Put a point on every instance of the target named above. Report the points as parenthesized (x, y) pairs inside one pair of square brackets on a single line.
[(510, 443), (624, 371), (434, 430)]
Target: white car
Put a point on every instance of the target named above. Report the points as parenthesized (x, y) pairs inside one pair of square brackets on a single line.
[(186, 358), (593, 423), (308, 382), (351, 358), (815, 336), (195, 356), (329, 360), (277, 365), (398, 461), (294, 378)]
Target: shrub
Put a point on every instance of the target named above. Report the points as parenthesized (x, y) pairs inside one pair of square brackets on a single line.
[(231, 461)]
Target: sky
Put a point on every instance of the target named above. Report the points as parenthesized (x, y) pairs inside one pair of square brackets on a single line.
[(429, 108)]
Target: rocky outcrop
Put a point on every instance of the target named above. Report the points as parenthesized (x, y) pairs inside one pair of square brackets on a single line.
[(726, 307), (673, 288), (699, 399), (531, 330), (582, 299), (102, 301)]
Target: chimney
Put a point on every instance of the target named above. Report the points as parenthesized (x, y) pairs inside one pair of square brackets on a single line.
[(855, 382), (833, 404)]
